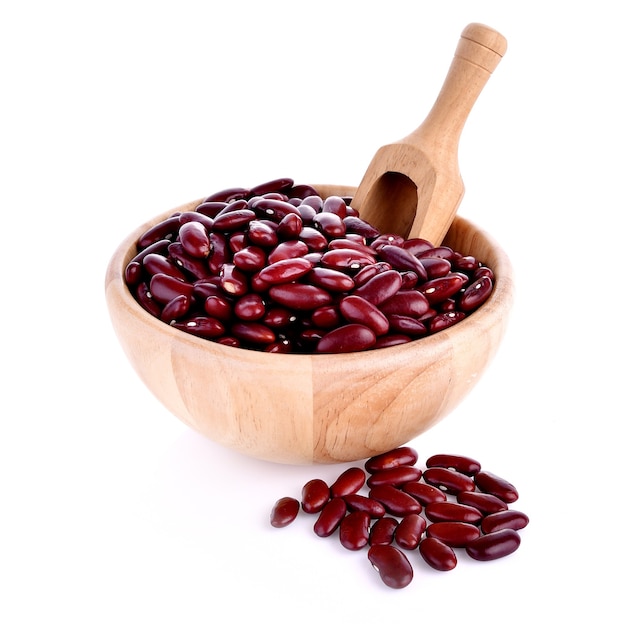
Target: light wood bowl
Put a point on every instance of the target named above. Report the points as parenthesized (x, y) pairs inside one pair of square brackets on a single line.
[(321, 408)]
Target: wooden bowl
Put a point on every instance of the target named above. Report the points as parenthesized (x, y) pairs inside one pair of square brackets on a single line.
[(319, 408)]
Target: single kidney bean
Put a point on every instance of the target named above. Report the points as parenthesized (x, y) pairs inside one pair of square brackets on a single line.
[(395, 501), (401, 456), (467, 264), (383, 530), (348, 259), (387, 239), (290, 226), (348, 243), (448, 480), (485, 503), (442, 251), (251, 258), (287, 250), (402, 260), (494, 545), (275, 209), (439, 322), (228, 195), (146, 300), (166, 229), (219, 307), (262, 234), (161, 247), (409, 280), (279, 185), (508, 519), (133, 273), (176, 308), (437, 554), (441, 288), (452, 512), (298, 296), (356, 225), (417, 245), (350, 481), (193, 215), (219, 253), (463, 464), (355, 309), (313, 239), (256, 333), (279, 318), (424, 493), (330, 517), (194, 238), (164, 287), (346, 339), (284, 512), (409, 532), (406, 325), (249, 307), (211, 208), (156, 263), (381, 287), (197, 267), (493, 484), (394, 476), (330, 279), (326, 317), (201, 326), (454, 534), (391, 340), (336, 205), (476, 294), (484, 271), (392, 565), (372, 507), (354, 530), (233, 280), (436, 267), (286, 270), (331, 225), (406, 303), (315, 494)]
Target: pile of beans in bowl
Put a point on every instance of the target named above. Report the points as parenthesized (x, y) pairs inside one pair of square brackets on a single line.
[(277, 268), (390, 508)]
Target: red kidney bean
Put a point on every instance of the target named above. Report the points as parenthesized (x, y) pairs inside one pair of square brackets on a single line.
[(330, 279), (391, 340), (467, 264), (228, 195), (176, 308), (251, 258), (313, 239), (476, 294), (417, 246), (394, 476), (409, 280), (356, 225), (508, 519), (409, 532), (460, 463), (387, 239), (396, 502), (287, 250), (166, 229), (348, 259), (373, 508), (492, 484), (314, 201), (290, 226), (350, 481), (297, 296), (160, 246), (193, 215), (233, 280), (164, 287), (284, 512), (250, 307), (279, 318), (436, 267), (336, 205), (380, 287), (442, 251), (194, 238), (392, 565), (348, 243), (406, 325), (401, 456), (256, 333), (211, 208), (347, 339), (424, 493), (441, 288), (275, 209), (279, 185), (315, 494), (406, 303), (355, 309), (262, 234), (383, 531), (146, 301), (331, 225), (439, 322), (201, 326), (133, 273), (485, 503), (197, 267), (284, 271), (494, 545), (156, 263), (446, 511), (369, 271), (220, 253), (330, 517), (326, 317), (354, 530), (437, 554), (484, 271), (454, 534), (402, 260), (219, 307), (448, 480)]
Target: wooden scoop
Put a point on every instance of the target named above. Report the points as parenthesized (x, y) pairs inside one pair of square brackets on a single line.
[(413, 187)]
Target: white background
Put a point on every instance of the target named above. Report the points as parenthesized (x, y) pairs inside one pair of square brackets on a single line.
[(112, 112)]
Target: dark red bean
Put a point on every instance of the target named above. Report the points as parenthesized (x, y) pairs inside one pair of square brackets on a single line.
[(380, 287), (193, 215), (279, 318), (313, 239), (287, 250), (166, 229), (394, 476), (494, 545), (197, 267), (508, 519), (146, 301), (284, 271), (356, 225), (436, 267), (326, 317), (484, 271), (446, 511), (290, 226), (346, 338), (391, 340), (211, 208), (251, 258), (284, 512), (298, 296), (219, 307), (396, 502), (409, 532), (279, 185), (329, 224), (467, 264), (262, 234), (160, 246), (442, 251), (448, 480), (454, 534), (406, 303), (220, 253), (249, 307), (347, 243), (315, 494), (355, 309), (350, 481), (437, 554), (233, 220), (401, 456), (417, 246), (201, 326), (463, 464), (485, 503), (383, 531), (476, 294), (256, 333), (369, 271), (274, 209), (348, 259), (133, 273), (228, 195), (406, 325), (176, 308), (357, 502), (492, 484), (402, 260), (442, 288), (156, 263), (424, 493), (336, 205), (387, 239), (330, 279), (392, 565), (439, 322), (306, 212), (354, 530), (233, 280), (194, 238), (330, 517), (164, 287)]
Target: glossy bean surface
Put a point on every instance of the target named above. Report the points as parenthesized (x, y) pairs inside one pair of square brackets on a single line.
[(357, 502), (350, 481), (485, 503), (330, 517), (347, 339), (461, 463), (453, 512), (394, 476), (284, 512), (409, 531), (401, 456), (437, 554), (448, 480), (354, 530), (507, 519), (454, 534), (494, 545), (392, 564), (424, 493), (383, 530), (315, 494), (396, 502), (491, 483)]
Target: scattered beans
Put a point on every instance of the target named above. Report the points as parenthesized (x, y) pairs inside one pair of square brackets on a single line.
[(396, 511), (296, 251)]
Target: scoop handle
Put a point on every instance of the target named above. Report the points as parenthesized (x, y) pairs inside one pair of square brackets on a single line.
[(477, 55)]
